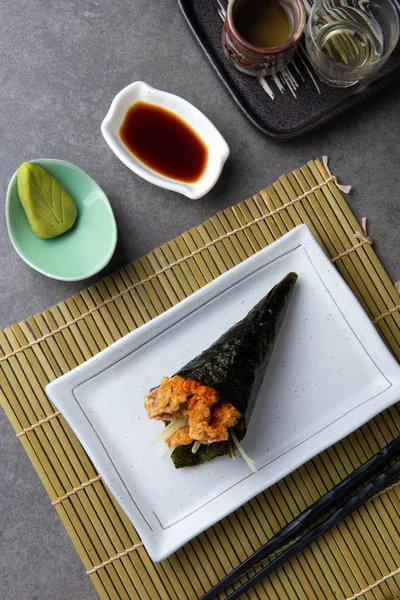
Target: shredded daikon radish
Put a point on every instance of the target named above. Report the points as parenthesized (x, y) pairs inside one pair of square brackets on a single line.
[(170, 429), (246, 457)]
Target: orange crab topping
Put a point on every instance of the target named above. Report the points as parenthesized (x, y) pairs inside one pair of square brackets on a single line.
[(209, 417)]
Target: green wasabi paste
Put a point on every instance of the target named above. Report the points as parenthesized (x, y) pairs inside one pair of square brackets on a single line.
[(49, 208)]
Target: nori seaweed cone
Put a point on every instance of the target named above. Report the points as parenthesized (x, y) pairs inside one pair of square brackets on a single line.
[(235, 366)]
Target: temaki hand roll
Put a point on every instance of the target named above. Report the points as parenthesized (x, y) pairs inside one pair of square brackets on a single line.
[(207, 404)]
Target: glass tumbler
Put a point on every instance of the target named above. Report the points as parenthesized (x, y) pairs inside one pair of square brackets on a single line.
[(349, 40)]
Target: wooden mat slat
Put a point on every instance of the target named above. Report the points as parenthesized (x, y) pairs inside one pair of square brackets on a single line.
[(143, 292), (201, 264), (134, 298), (362, 549), (153, 287), (191, 261), (221, 227), (176, 254), (85, 503), (356, 267), (49, 477), (381, 281)]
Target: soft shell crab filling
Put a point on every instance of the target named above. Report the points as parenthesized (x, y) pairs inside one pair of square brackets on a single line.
[(208, 417)]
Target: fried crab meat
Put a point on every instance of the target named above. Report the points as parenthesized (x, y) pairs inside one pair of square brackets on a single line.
[(209, 418)]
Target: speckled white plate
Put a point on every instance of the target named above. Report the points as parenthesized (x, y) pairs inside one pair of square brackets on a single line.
[(330, 373)]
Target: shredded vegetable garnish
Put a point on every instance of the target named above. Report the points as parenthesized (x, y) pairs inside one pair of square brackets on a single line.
[(231, 450), (169, 430), (196, 446), (246, 457)]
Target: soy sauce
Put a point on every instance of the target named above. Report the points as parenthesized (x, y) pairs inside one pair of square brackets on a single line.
[(164, 142)]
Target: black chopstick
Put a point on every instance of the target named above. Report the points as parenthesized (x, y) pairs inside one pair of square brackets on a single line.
[(345, 487), (370, 490)]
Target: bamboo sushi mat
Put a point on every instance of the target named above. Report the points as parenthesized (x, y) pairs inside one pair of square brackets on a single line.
[(358, 559)]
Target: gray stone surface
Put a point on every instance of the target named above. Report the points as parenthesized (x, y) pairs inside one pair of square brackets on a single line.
[(61, 63)]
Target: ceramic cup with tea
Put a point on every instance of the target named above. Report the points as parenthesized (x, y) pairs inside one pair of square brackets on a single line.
[(260, 36)]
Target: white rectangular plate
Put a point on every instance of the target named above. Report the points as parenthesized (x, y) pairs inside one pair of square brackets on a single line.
[(330, 373)]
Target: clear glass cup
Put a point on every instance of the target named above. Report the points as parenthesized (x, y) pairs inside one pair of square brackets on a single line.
[(349, 40)]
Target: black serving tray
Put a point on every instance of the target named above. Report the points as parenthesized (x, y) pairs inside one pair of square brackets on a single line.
[(284, 116)]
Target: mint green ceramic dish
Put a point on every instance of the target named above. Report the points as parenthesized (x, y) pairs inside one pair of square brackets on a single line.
[(83, 250)]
